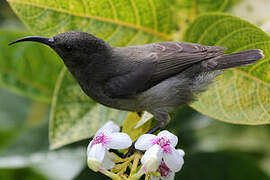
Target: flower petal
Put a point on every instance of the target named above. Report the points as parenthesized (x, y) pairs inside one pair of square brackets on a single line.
[(145, 141), (174, 160), (96, 151), (118, 141), (152, 158), (113, 126), (166, 134), (89, 146), (95, 156), (170, 176), (107, 161), (181, 152), (109, 127)]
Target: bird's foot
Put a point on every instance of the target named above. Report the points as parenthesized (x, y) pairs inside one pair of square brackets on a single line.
[(132, 148), (153, 130)]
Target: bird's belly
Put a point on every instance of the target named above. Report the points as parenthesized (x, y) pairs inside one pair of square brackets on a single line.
[(129, 104), (122, 104)]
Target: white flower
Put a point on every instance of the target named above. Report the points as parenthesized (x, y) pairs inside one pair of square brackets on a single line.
[(165, 172), (160, 148), (107, 137)]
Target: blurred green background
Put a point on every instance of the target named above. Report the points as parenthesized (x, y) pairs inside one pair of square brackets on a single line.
[(214, 150)]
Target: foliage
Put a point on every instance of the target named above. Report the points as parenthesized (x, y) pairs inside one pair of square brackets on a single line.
[(188, 10), (119, 22), (24, 150), (30, 74), (240, 95)]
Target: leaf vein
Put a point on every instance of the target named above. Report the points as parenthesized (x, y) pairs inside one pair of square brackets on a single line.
[(26, 81), (258, 64), (113, 9), (251, 77), (220, 102), (137, 16), (260, 103), (133, 38), (114, 32), (223, 39), (153, 8), (238, 97), (103, 19)]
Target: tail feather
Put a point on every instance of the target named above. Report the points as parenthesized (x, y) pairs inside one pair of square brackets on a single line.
[(233, 60)]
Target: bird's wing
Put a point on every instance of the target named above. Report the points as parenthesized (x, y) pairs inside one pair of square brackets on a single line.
[(155, 63)]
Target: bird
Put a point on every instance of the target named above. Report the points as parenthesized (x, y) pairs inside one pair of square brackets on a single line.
[(157, 77)]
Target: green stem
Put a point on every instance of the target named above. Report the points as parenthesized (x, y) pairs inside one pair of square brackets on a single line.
[(110, 174), (125, 165), (147, 177), (136, 160)]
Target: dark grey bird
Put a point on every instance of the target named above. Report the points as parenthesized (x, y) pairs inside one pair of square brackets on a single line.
[(154, 77)]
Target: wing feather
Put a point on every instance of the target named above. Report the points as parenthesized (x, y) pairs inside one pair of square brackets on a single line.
[(155, 63)]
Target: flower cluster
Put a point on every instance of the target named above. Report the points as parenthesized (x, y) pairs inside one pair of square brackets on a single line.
[(107, 137), (160, 161), (160, 155)]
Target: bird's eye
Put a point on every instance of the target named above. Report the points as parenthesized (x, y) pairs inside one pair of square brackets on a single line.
[(68, 48)]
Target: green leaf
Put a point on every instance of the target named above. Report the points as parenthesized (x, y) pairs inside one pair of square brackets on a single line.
[(121, 23), (26, 144), (28, 69), (240, 95), (29, 149), (130, 123), (74, 115), (201, 6), (26, 173), (13, 109), (187, 10)]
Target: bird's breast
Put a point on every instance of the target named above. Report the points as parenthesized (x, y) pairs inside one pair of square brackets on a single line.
[(96, 92)]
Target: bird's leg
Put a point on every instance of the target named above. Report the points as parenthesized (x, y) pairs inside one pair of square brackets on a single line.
[(132, 148), (153, 130), (162, 119), (140, 113)]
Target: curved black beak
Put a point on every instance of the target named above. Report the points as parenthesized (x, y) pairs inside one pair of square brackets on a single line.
[(44, 40)]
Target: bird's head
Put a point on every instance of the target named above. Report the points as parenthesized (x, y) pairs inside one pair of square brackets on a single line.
[(74, 47)]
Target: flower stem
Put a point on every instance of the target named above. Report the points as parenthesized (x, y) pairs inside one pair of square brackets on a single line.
[(147, 177), (136, 160), (139, 174), (125, 165), (110, 174)]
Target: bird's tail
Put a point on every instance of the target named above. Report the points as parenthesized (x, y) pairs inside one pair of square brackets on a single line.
[(233, 60)]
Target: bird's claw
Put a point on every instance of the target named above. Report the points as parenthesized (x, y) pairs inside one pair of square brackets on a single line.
[(132, 148)]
